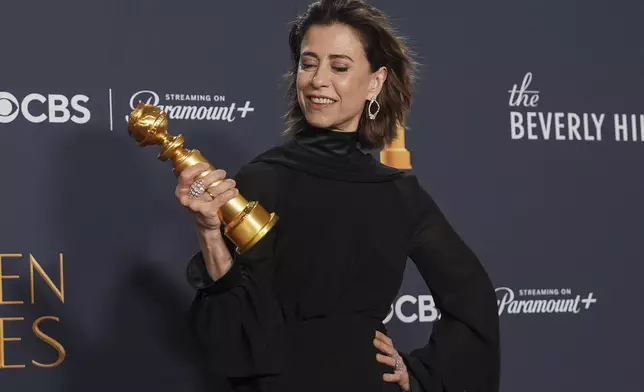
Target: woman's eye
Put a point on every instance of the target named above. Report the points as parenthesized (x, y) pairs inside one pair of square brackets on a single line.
[(341, 69), (307, 66)]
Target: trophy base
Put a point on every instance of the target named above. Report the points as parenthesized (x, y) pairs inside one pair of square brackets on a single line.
[(260, 234), (396, 157)]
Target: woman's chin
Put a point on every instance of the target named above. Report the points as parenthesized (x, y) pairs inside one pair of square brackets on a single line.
[(319, 121)]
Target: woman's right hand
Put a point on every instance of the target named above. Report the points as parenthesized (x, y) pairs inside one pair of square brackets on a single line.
[(205, 208)]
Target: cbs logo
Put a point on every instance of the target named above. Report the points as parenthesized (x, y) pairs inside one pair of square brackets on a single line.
[(37, 108), (422, 309)]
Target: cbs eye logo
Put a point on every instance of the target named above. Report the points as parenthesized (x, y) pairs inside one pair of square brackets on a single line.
[(37, 108)]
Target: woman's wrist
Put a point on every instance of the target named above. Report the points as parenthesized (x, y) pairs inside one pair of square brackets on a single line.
[(208, 234), (215, 252)]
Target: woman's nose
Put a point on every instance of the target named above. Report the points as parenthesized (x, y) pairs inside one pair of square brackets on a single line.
[(320, 79)]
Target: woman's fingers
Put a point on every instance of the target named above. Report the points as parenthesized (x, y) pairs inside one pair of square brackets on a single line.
[(213, 178), (387, 360), (217, 191), (211, 207), (384, 347), (385, 344), (216, 177), (220, 187), (187, 176), (392, 377), (386, 339)]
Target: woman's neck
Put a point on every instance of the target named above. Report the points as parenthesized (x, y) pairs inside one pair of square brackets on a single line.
[(328, 142), (341, 130)]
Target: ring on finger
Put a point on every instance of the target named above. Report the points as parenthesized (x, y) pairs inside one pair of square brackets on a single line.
[(398, 363), (210, 193), (196, 189)]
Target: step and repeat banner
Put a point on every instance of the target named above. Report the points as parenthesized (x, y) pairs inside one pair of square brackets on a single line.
[(527, 128)]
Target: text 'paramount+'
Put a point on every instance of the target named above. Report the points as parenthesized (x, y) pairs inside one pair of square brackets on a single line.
[(175, 106), (548, 301)]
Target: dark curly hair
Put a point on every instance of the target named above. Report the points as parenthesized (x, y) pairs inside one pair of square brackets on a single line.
[(382, 48)]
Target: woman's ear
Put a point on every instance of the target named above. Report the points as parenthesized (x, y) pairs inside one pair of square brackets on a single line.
[(377, 81)]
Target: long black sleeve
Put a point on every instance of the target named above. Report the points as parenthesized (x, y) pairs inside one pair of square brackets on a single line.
[(232, 317), (463, 352)]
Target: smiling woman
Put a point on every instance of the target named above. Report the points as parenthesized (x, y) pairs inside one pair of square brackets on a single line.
[(334, 78), (340, 72), (303, 309)]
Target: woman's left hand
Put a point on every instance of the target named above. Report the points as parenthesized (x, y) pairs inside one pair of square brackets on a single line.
[(400, 375)]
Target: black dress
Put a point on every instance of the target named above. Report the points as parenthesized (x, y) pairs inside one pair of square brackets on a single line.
[(298, 312)]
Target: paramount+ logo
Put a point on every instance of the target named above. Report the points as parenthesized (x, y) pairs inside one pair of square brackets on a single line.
[(38, 108)]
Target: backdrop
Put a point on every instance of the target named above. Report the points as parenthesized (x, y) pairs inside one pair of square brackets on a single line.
[(526, 128)]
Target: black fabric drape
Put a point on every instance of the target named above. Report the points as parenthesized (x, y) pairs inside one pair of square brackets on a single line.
[(299, 311)]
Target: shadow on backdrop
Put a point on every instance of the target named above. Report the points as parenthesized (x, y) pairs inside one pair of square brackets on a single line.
[(126, 242)]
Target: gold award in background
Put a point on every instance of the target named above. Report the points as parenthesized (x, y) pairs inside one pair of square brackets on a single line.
[(395, 154), (245, 223)]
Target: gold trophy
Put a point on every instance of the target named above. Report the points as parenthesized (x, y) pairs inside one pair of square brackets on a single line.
[(245, 223), (395, 154)]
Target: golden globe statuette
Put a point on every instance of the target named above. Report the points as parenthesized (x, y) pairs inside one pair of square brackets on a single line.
[(245, 223), (395, 154)]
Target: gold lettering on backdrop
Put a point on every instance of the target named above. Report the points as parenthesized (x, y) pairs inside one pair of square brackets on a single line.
[(3, 277), (49, 340), (3, 340), (60, 293)]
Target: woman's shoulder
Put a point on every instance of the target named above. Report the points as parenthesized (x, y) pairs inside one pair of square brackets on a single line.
[(256, 175), (258, 178), (253, 171), (409, 184), (415, 197)]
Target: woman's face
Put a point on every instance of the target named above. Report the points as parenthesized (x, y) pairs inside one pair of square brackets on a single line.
[(334, 78)]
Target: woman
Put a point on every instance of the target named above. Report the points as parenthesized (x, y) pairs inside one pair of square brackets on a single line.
[(302, 310)]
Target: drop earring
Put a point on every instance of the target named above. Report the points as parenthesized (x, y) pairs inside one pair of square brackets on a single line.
[(372, 116)]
